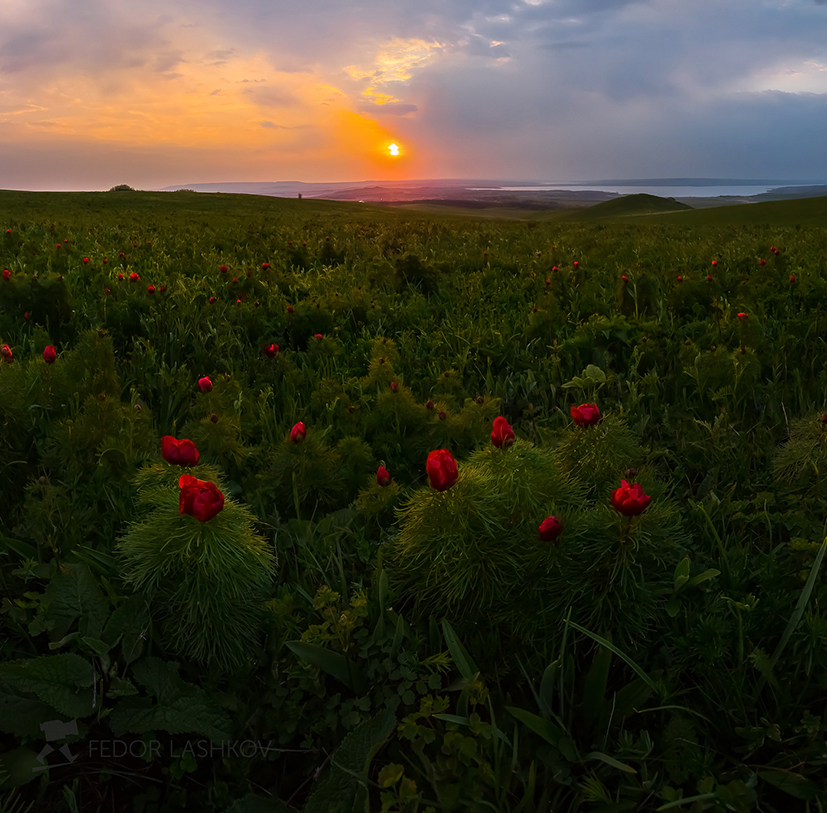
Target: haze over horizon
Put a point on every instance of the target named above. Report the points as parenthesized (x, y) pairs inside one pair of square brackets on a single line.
[(93, 94)]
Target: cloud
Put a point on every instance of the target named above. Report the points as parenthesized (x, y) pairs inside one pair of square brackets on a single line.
[(388, 108)]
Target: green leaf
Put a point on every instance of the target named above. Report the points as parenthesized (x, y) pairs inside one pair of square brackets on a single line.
[(594, 687), (551, 733), (621, 766), (102, 563), (464, 662), (22, 716), (703, 577), (547, 687), (181, 708), (334, 663), (343, 787), (129, 624), (63, 681), (73, 594), (594, 373), (121, 687), (792, 784), (673, 607), (681, 576), (260, 804)]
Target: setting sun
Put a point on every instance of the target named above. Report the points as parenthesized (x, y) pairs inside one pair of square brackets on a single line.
[(393, 149)]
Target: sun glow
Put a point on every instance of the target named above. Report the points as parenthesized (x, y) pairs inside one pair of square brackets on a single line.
[(393, 149)]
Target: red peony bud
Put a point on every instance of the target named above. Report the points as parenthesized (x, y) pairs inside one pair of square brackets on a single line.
[(290, 309), (204, 384), (550, 528), (383, 478), (179, 452), (214, 417), (442, 416), (714, 263), (576, 264), (6, 353), (742, 316), (134, 277), (150, 289), (585, 415), (762, 262), (120, 277), (298, 433), (394, 386), (6, 273), (625, 279), (50, 354), (680, 278), (503, 435), (630, 500), (442, 469), (85, 260), (708, 278), (792, 279), (199, 498), (265, 266), (212, 300), (429, 404), (271, 350), (222, 269)]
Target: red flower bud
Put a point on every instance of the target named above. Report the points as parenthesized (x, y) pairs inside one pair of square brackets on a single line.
[(199, 498), (442, 416), (57, 246), (212, 300), (235, 280), (134, 277), (204, 384), (576, 264), (85, 260), (714, 263), (554, 268), (480, 400), (222, 269), (214, 418), (163, 289), (708, 278), (394, 386), (548, 282), (630, 500), (105, 261), (742, 316), (680, 278), (318, 335), (762, 262), (6, 273), (6, 353), (772, 248), (585, 415), (792, 279), (442, 469), (265, 266), (383, 477), (625, 279), (550, 528), (179, 452), (50, 354), (503, 434), (429, 404), (121, 255), (298, 433), (271, 350), (290, 309), (120, 277), (150, 289)]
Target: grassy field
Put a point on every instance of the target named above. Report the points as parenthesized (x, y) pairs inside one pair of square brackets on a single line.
[(527, 633)]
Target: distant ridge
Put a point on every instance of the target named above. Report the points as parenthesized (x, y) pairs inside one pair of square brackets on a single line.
[(631, 206)]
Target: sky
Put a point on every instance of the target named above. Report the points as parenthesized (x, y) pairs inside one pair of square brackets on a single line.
[(95, 93)]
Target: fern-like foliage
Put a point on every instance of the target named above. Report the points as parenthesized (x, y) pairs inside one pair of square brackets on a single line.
[(205, 581)]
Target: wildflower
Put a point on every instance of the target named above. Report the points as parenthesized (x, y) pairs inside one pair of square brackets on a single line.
[(86, 261), (708, 278), (6, 353), (134, 277), (680, 278), (502, 434), (625, 279), (179, 452), (429, 404), (120, 277), (762, 262), (442, 416), (576, 264), (265, 266), (792, 279), (204, 384), (199, 498), (214, 417), (742, 316), (442, 469), (290, 309), (383, 477), (714, 263), (550, 528), (50, 354), (586, 415), (298, 433), (271, 350), (222, 269), (212, 300), (150, 289), (394, 386), (630, 500), (6, 273)]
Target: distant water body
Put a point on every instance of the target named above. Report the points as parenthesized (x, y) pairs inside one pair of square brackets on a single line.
[(660, 191)]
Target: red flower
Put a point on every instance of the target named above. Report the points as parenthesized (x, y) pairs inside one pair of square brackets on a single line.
[(212, 300), (199, 498), (383, 477), (762, 262), (290, 309), (120, 276), (429, 404), (298, 433), (442, 416), (548, 282), (222, 269), (625, 279), (235, 280), (271, 350), (576, 264), (554, 268), (629, 500), (714, 263), (772, 248), (6, 353), (792, 279), (134, 277), (163, 289), (107, 291), (179, 452), (394, 386), (121, 255), (204, 384), (6, 273), (57, 246), (585, 415), (742, 316), (26, 316), (85, 260), (319, 336), (442, 469), (680, 278), (550, 528), (776, 252), (105, 261), (503, 434), (150, 289), (708, 278), (50, 354), (265, 266)]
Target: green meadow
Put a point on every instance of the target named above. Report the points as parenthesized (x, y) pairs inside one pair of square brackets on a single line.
[(298, 612)]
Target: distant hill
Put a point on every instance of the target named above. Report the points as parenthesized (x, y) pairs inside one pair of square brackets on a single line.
[(631, 206)]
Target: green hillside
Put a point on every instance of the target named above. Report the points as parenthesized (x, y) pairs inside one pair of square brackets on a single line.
[(631, 206)]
